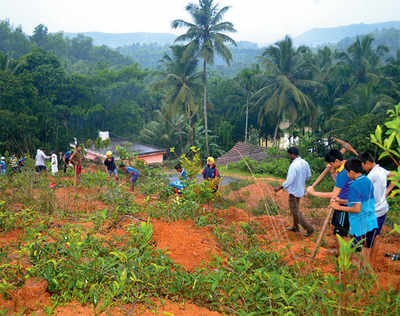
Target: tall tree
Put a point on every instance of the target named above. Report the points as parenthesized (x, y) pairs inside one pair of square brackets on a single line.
[(206, 36), (289, 76), (180, 77), (246, 84), (363, 59)]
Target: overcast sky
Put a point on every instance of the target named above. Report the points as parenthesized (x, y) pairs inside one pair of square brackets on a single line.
[(261, 21)]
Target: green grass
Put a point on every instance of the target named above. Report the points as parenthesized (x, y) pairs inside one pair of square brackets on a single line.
[(232, 172)]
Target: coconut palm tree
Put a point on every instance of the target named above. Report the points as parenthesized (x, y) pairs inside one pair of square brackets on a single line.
[(363, 59), (246, 84), (206, 37), (289, 76), (180, 77)]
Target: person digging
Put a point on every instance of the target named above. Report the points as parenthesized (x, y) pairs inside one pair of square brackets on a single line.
[(131, 175)]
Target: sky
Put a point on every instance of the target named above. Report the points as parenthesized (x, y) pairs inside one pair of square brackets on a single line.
[(261, 21)]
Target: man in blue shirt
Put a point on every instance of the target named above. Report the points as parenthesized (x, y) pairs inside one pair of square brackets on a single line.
[(361, 208), (299, 172)]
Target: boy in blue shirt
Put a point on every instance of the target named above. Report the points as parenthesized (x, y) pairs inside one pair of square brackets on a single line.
[(3, 166), (181, 171), (361, 208), (180, 184), (340, 220), (131, 175)]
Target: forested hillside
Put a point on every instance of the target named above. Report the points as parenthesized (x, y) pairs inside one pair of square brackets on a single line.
[(149, 55), (53, 89), (327, 35), (390, 38), (77, 54)]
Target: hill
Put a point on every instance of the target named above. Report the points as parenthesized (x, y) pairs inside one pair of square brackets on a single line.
[(115, 40), (319, 36), (148, 56), (388, 37)]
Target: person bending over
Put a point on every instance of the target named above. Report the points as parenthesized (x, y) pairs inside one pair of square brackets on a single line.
[(131, 175)]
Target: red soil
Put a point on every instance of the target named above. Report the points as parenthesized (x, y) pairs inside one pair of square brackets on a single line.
[(173, 308), (260, 190), (82, 199), (165, 308), (31, 297), (14, 236), (185, 243)]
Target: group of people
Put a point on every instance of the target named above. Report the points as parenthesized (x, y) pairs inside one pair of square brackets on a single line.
[(69, 158), (16, 164), (358, 200), (131, 173), (209, 173)]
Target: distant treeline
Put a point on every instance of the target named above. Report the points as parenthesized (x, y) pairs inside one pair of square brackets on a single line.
[(77, 54), (53, 89)]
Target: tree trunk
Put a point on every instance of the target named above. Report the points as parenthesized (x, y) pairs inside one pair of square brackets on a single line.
[(180, 137), (247, 120), (276, 132), (205, 105)]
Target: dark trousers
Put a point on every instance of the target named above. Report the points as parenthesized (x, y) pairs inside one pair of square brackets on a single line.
[(298, 218)]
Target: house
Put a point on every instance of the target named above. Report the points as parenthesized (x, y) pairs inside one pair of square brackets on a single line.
[(241, 150), (150, 154)]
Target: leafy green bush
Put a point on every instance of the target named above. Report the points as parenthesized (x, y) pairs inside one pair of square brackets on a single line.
[(276, 167)]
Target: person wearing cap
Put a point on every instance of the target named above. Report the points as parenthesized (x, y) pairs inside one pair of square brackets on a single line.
[(210, 172), (111, 168), (54, 163), (3, 166), (131, 175)]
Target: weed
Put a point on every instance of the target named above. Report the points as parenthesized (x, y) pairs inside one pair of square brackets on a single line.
[(266, 207)]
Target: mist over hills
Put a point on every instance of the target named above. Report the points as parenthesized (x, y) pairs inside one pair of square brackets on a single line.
[(320, 36), (148, 48), (313, 37), (115, 40)]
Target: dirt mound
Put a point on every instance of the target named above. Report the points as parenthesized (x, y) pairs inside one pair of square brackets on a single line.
[(75, 308), (252, 194), (173, 308), (167, 307), (7, 238), (185, 243), (31, 297), (233, 214), (83, 199)]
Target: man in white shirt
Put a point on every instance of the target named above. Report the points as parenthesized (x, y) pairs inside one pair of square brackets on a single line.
[(378, 177), (299, 172)]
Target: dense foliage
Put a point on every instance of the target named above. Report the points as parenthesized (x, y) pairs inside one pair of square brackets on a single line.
[(53, 88)]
